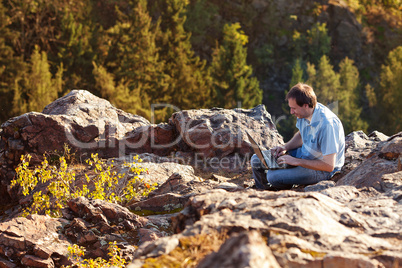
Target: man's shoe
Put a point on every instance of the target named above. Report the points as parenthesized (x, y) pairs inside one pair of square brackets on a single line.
[(269, 187)]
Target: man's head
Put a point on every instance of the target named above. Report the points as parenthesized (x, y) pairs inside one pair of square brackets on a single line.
[(302, 100)]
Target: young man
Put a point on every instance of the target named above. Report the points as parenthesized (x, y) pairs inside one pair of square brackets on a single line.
[(317, 150)]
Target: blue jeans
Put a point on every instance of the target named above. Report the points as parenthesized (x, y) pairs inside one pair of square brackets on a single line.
[(285, 178)]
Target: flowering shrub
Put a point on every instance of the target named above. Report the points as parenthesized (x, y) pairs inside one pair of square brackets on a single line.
[(104, 183), (76, 254)]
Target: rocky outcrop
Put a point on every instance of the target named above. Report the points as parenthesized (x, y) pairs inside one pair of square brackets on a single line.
[(329, 225), (302, 229), (208, 139)]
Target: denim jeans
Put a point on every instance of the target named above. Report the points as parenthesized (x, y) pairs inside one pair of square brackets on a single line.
[(285, 178)]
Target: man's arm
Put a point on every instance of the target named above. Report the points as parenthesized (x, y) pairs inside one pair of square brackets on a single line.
[(295, 142), (325, 164)]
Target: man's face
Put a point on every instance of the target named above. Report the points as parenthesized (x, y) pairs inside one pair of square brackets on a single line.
[(298, 111)]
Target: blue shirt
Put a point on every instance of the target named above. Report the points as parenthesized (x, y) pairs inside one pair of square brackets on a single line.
[(324, 135)]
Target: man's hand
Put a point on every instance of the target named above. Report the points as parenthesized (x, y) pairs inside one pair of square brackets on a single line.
[(287, 159), (325, 164), (278, 151)]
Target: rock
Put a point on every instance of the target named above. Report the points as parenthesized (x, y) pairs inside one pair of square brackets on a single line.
[(95, 223), (165, 203), (104, 212), (378, 136), (343, 193), (247, 249), (158, 247), (146, 235), (79, 232), (176, 183), (219, 133), (173, 194), (358, 139), (350, 260), (207, 139), (6, 264), (322, 185), (161, 139), (391, 182), (392, 149), (311, 222), (358, 147), (350, 221), (84, 122), (35, 241), (81, 120), (33, 261), (383, 160)]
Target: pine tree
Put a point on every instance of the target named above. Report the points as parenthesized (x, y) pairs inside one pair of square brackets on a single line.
[(319, 42), (324, 80), (190, 83), (133, 58), (233, 80), (11, 65), (297, 73), (390, 91), (19, 103), (75, 51), (119, 94), (349, 110), (287, 127), (312, 45), (37, 84)]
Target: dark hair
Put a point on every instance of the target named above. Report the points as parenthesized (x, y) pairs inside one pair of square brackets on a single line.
[(303, 94)]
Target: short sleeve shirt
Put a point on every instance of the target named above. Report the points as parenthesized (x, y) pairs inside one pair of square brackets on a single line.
[(324, 135)]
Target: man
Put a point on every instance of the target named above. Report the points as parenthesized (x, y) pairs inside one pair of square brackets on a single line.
[(317, 150)]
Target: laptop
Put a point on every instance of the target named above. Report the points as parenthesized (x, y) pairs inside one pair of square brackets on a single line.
[(265, 156)]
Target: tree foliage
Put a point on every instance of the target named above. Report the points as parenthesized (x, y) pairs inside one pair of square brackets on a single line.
[(37, 87), (324, 80), (234, 82), (189, 82), (349, 92), (390, 91), (340, 91), (10, 65), (312, 45), (187, 54)]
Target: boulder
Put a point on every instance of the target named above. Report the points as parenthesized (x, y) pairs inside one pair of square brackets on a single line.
[(218, 136), (35, 241), (207, 139), (381, 160), (80, 120), (358, 147)]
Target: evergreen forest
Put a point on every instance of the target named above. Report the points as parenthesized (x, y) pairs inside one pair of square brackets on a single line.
[(192, 54)]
